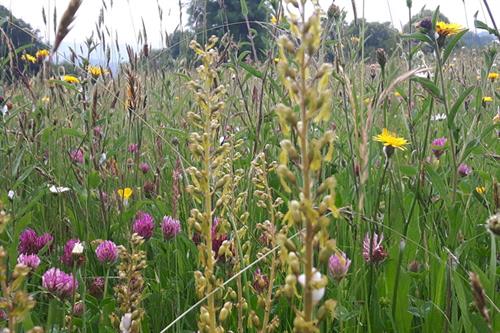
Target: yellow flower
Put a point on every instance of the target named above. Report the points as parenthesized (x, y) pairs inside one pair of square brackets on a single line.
[(274, 20), (397, 94), (28, 58), (487, 99), (45, 99), (125, 193), (276, 60), (390, 139), (41, 54), (480, 189), (493, 76), (70, 79), (448, 29), (96, 71), (354, 40)]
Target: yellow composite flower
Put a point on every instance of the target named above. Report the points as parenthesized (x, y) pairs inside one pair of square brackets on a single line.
[(487, 99), (125, 193), (480, 189), (274, 20), (390, 139), (397, 94), (42, 54), (28, 58), (493, 76), (95, 71), (448, 29), (70, 79)]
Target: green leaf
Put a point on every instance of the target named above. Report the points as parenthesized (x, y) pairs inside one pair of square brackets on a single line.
[(419, 36), (451, 44), (252, 70), (457, 104), (429, 86), (94, 179), (244, 8)]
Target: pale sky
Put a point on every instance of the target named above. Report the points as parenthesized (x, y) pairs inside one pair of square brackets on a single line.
[(124, 17)]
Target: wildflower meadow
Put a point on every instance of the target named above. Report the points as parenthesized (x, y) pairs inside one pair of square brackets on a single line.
[(290, 179)]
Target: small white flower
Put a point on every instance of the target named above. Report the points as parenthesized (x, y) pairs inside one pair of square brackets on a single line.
[(102, 159), (5, 110), (11, 195), (317, 294), (58, 189), (77, 248), (438, 117), (126, 323), (221, 140)]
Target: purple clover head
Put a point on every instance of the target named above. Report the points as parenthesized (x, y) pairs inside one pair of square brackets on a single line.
[(143, 225), (373, 251), (438, 146), (107, 252), (144, 167), (59, 283), (464, 170), (30, 260), (96, 287), (76, 156), (338, 265), (69, 258), (170, 227), (133, 148), (28, 242)]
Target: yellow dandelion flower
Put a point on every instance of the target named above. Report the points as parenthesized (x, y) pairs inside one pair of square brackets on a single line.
[(448, 29), (28, 58), (480, 189), (493, 76), (41, 54), (274, 20), (487, 99), (96, 71), (390, 139), (70, 79)]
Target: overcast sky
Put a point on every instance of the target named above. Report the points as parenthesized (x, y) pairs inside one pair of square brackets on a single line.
[(125, 16)]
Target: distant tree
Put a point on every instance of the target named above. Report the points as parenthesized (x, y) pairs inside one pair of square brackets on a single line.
[(222, 16), (377, 35), (20, 34)]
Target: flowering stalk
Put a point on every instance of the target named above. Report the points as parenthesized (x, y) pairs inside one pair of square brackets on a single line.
[(309, 94), (208, 179)]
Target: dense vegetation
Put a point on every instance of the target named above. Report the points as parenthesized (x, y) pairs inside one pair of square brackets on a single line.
[(329, 186)]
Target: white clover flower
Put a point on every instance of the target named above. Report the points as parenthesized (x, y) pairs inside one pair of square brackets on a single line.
[(317, 294), (77, 249)]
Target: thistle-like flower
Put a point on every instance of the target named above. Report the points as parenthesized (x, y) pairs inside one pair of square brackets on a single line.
[(107, 252), (143, 225), (338, 265), (170, 227), (59, 283), (464, 170), (373, 250), (30, 260)]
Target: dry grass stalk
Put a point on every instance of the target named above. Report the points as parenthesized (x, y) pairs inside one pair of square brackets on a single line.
[(66, 20)]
